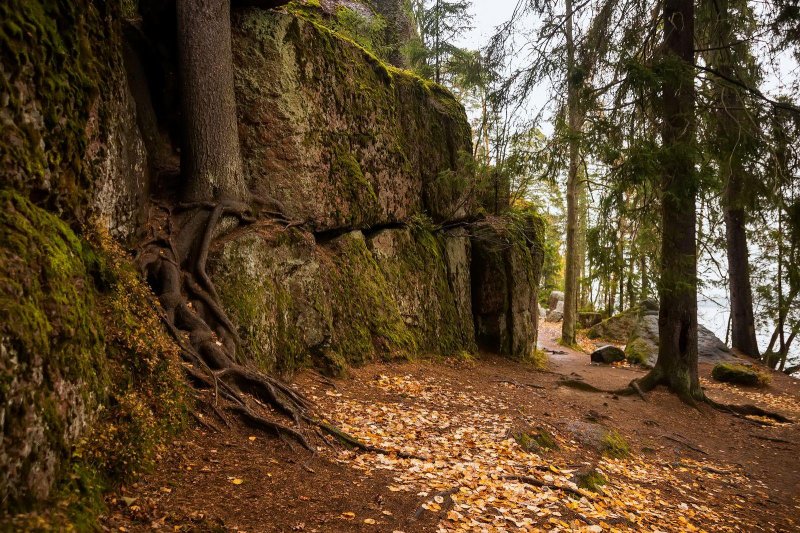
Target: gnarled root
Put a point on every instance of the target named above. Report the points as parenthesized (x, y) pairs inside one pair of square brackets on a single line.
[(175, 265)]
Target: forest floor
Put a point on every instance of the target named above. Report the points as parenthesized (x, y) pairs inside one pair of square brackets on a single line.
[(687, 469)]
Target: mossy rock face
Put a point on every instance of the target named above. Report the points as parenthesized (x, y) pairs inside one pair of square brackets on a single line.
[(414, 263), (338, 137), (347, 300), (739, 374), (506, 262), (68, 134), (617, 328), (76, 326), (51, 353)]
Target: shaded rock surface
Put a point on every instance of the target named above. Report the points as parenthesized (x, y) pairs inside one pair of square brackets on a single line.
[(607, 355), (506, 265), (643, 343)]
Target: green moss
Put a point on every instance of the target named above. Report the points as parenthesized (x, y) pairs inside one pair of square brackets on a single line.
[(356, 190), (47, 305), (637, 352), (739, 374), (614, 445), (538, 359), (77, 313), (591, 480), (54, 55), (363, 306), (536, 441)]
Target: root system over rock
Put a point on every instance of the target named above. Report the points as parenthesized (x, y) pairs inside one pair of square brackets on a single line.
[(174, 262)]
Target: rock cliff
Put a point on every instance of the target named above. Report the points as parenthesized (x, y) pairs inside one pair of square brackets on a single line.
[(387, 253)]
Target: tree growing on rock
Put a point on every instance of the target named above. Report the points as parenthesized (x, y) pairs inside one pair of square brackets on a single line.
[(213, 198)]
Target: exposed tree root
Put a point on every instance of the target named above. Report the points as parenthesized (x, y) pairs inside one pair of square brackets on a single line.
[(655, 378), (682, 442), (174, 261), (530, 480), (746, 410), (518, 383)]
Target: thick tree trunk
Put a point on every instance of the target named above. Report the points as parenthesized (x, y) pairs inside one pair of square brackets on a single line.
[(572, 267), (676, 365), (211, 161)]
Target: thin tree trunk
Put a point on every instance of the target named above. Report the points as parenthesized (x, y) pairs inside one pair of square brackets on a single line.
[(781, 306), (572, 267), (583, 223), (676, 365), (731, 119)]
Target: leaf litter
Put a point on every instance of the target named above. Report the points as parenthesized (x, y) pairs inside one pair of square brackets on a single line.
[(472, 469)]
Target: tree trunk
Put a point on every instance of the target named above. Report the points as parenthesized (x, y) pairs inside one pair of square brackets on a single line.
[(211, 160), (583, 223), (731, 122), (572, 266), (676, 365)]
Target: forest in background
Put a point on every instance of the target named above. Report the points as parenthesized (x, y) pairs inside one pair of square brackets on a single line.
[(564, 103)]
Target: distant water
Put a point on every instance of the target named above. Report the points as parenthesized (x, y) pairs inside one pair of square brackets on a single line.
[(713, 310)]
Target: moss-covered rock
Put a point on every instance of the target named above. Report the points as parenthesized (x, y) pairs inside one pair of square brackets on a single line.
[(76, 326), (338, 137), (639, 351), (739, 374), (68, 134), (617, 328), (344, 301), (506, 264)]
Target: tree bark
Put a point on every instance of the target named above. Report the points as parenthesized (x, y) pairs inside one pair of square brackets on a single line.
[(572, 267), (211, 160), (732, 124), (676, 365)]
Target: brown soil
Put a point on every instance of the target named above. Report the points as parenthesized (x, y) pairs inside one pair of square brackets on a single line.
[(688, 469)]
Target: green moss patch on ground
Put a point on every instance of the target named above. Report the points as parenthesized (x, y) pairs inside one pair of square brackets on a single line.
[(739, 374)]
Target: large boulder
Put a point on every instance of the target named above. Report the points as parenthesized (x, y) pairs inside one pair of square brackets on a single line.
[(607, 355), (642, 345), (554, 299), (587, 319), (506, 264), (338, 138), (617, 328)]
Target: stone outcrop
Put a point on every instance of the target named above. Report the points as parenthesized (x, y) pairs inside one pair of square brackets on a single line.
[(339, 138), (505, 271), (390, 259), (642, 345), (347, 300)]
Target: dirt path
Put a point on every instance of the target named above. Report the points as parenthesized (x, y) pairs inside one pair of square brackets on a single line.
[(687, 469)]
